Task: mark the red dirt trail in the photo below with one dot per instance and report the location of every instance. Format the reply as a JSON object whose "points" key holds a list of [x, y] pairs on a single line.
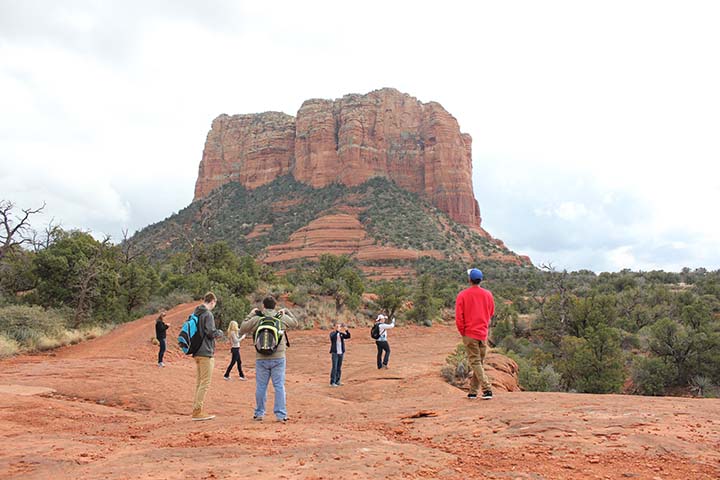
{"points": [[103, 409]]}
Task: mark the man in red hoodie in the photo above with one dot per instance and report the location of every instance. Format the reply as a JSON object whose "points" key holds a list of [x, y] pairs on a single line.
{"points": [[474, 307]]}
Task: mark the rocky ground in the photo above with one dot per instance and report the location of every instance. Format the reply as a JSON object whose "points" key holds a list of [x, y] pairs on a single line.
{"points": [[103, 409]]}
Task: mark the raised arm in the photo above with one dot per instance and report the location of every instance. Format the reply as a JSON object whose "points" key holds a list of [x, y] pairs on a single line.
{"points": [[250, 323], [288, 319]]}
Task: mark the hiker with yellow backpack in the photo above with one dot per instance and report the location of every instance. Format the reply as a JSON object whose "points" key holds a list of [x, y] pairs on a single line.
{"points": [[268, 328]]}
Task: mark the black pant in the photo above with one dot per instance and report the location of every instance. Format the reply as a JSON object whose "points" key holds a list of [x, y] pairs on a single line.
{"points": [[382, 346], [162, 349], [235, 351]]}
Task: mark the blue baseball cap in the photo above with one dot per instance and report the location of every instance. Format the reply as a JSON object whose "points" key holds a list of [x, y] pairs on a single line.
{"points": [[475, 274]]}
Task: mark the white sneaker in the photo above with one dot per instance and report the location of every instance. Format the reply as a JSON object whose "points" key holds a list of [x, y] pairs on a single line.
{"points": [[161, 365], [226, 378]]}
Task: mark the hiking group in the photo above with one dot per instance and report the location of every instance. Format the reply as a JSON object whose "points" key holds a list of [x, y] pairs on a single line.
{"points": [[474, 308]]}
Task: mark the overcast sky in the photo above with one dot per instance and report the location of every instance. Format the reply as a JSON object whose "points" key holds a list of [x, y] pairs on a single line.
{"points": [[595, 125]]}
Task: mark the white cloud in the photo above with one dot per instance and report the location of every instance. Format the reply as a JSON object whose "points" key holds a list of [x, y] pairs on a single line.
{"points": [[594, 125]]}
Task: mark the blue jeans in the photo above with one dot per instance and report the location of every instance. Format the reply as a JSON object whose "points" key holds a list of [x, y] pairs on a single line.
{"points": [[264, 371], [336, 371]]}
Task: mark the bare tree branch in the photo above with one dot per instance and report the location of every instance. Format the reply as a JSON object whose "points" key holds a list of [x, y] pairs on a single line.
{"points": [[15, 232], [129, 249]]}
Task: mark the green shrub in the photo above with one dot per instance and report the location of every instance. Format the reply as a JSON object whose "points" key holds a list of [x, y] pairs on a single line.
{"points": [[536, 379], [457, 369], [28, 325], [593, 364], [703, 387], [630, 341], [168, 301], [651, 375], [501, 330], [300, 295], [8, 346], [229, 307]]}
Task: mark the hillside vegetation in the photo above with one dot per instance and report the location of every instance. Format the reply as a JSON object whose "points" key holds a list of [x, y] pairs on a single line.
{"points": [[390, 215], [652, 333]]}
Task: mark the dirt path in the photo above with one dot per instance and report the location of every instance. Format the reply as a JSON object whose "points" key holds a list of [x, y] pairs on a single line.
{"points": [[103, 409]]}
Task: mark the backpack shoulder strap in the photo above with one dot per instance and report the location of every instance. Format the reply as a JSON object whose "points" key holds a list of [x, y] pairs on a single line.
{"points": [[201, 327]]}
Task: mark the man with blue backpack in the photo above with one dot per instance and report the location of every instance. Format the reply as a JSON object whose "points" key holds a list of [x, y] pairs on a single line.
{"points": [[202, 348], [268, 329]]}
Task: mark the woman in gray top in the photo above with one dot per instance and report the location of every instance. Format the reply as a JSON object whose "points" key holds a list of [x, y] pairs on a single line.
{"points": [[235, 338]]}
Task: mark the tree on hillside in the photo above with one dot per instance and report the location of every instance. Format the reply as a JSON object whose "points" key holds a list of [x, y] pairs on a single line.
{"points": [[138, 280], [590, 311], [80, 272], [425, 305], [15, 229], [593, 364], [16, 272], [391, 296], [676, 344], [337, 277], [553, 298]]}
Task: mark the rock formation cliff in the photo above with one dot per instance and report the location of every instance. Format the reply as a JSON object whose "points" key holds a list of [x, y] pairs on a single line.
{"points": [[385, 133]]}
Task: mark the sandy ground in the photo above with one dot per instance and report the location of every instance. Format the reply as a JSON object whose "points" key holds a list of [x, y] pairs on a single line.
{"points": [[103, 409]]}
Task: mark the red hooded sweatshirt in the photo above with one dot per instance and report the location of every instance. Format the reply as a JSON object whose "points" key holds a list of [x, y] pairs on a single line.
{"points": [[474, 308]]}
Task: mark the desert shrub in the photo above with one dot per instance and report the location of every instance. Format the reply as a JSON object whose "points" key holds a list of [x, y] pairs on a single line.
{"points": [[27, 325], [8, 346], [32, 328], [425, 305], [651, 375], [229, 307], [305, 321], [457, 369], [501, 330], [593, 364], [536, 378], [166, 302], [300, 295], [323, 314], [521, 346], [629, 341], [703, 386]]}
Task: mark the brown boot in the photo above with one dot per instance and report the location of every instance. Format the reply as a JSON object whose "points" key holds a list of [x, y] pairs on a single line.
{"points": [[198, 415]]}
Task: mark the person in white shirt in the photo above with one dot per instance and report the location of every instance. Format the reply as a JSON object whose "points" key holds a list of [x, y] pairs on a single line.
{"points": [[235, 339], [382, 341], [337, 349]]}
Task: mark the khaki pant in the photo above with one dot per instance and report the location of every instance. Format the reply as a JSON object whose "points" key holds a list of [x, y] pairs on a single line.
{"points": [[204, 376], [476, 351]]}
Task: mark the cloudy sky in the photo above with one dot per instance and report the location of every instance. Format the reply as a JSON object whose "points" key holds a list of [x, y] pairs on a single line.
{"points": [[595, 125]]}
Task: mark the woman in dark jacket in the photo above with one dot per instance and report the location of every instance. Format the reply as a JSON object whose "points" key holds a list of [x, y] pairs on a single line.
{"points": [[161, 335]]}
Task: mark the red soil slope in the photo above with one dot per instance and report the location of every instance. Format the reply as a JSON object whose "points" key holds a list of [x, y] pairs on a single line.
{"points": [[103, 409]]}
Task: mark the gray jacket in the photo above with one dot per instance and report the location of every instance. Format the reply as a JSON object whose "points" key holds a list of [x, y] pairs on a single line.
{"points": [[210, 333], [250, 324]]}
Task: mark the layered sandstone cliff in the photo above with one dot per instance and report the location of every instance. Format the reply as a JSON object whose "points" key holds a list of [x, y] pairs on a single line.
{"points": [[350, 140]]}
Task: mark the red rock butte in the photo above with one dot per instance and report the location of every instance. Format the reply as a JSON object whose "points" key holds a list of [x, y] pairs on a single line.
{"points": [[384, 133]]}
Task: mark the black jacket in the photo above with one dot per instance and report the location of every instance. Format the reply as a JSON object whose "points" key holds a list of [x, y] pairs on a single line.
{"points": [[333, 340], [161, 329]]}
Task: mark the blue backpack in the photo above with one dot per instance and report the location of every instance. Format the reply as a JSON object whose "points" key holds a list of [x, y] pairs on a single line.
{"points": [[190, 337]]}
